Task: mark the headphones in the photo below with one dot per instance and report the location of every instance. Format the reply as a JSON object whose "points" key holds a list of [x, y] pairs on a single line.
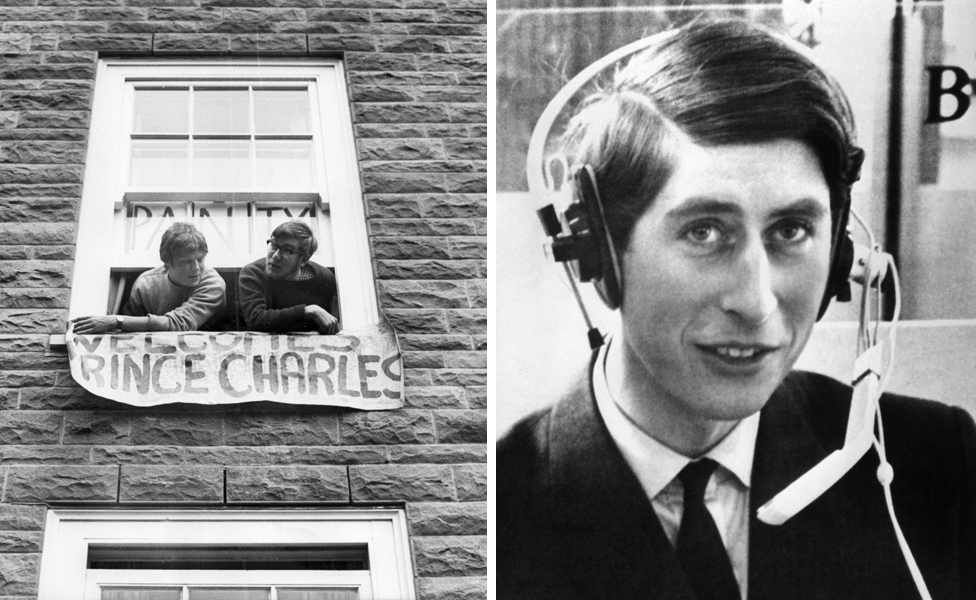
{"points": [[578, 235]]}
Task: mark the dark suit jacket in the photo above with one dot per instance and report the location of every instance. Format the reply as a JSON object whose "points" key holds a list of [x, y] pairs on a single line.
{"points": [[573, 521]]}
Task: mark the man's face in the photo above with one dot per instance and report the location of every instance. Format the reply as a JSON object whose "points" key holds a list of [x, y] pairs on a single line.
{"points": [[187, 269], [285, 258], [723, 278]]}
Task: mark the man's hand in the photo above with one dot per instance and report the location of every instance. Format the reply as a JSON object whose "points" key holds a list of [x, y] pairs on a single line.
{"points": [[323, 319], [85, 325]]}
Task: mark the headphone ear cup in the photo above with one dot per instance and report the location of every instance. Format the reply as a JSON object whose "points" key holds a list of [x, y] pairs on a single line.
{"points": [[841, 263], [608, 282]]}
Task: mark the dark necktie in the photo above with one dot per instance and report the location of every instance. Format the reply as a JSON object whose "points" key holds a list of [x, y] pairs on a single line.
{"points": [[700, 548]]}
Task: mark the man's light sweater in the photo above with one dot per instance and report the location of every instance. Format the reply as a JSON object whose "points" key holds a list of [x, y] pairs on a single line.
{"points": [[172, 307]]}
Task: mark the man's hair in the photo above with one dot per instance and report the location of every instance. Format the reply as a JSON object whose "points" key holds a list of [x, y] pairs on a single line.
{"points": [[179, 240], [300, 231], [718, 82]]}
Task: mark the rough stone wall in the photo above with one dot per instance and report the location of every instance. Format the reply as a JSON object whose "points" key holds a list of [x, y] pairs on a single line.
{"points": [[417, 80]]}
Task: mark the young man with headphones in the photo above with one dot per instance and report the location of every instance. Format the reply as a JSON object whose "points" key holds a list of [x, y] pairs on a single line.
{"points": [[711, 187]]}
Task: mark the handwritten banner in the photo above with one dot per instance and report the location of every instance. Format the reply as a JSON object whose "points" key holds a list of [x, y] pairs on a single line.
{"points": [[360, 369]]}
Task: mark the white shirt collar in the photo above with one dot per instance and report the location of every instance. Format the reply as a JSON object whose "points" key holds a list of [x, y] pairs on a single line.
{"points": [[655, 464]]}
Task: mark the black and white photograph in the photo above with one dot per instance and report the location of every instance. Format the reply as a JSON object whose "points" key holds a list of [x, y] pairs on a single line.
{"points": [[734, 300]]}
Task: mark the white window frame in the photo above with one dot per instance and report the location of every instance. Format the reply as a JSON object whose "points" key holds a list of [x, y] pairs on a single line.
{"points": [[337, 183], [69, 532]]}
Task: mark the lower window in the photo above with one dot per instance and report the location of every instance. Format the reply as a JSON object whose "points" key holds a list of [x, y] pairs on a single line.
{"points": [[225, 555]]}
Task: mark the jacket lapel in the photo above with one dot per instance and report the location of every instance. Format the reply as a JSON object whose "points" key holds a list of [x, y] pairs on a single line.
{"points": [[603, 510], [794, 560]]}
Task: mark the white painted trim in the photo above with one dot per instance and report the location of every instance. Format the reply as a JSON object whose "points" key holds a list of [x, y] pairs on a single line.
{"points": [[69, 532]]}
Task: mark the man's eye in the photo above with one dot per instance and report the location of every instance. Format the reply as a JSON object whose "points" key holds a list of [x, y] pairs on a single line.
{"points": [[791, 232], [704, 233]]}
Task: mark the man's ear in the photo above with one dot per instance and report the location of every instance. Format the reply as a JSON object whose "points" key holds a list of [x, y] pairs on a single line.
{"points": [[305, 258]]}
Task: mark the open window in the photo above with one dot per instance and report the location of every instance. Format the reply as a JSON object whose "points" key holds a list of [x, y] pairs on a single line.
{"points": [[223, 555], [234, 147]]}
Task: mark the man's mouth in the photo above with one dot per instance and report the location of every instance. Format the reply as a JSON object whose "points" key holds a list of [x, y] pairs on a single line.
{"points": [[738, 353]]}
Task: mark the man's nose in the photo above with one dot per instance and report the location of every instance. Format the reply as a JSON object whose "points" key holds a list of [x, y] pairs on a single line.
{"points": [[750, 293]]}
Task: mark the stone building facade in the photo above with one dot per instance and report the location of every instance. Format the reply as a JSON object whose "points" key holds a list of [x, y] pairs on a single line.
{"points": [[416, 79]]}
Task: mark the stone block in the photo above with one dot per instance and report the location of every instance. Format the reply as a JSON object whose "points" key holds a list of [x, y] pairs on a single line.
{"points": [[18, 574], [30, 427], [62, 398], [337, 43], [404, 183], [31, 100], [466, 148], [287, 484], [397, 483], [73, 483], [410, 248], [466, 360], [423, 294], [448, 518], [288, 455], [90, 428], [413, 45], [435, 342], [22, 517], [177, 429], [468, 46], [105, 42], [33, 298], [387, 427], [400, 149], [471, 481], [391, 130], [467, 320], [42, 152], [423, 360], [420, 320], [394, 206], [42, 234], [457, 14], [137, 455], [435, 397], [400, 112], [12, 542], [195, 42], [450, 556], [290, 44], [426, 269], [155, 483], [45, 455], [439, 454], [23, 343], [465, 183], [452, 588], [395, 79], [26, 361], [421, 227], [35, 273], [338, 15], [448, 29], [46, 72], [454, 206], [16, 379], [14, 43], [441, 62], [358, 62], [461, 377], [111, 14], [404, 16], [461, 426], [283, 428]]}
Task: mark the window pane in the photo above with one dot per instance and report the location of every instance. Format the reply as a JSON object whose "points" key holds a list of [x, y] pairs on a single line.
{"points": [[284, 164], [317, 594], [141, 593], [145, 224], [161, 111], [226, 593], [267, 216], [281, 111], [220, 111], [221, 163], [225, 227], [159, 163]]}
